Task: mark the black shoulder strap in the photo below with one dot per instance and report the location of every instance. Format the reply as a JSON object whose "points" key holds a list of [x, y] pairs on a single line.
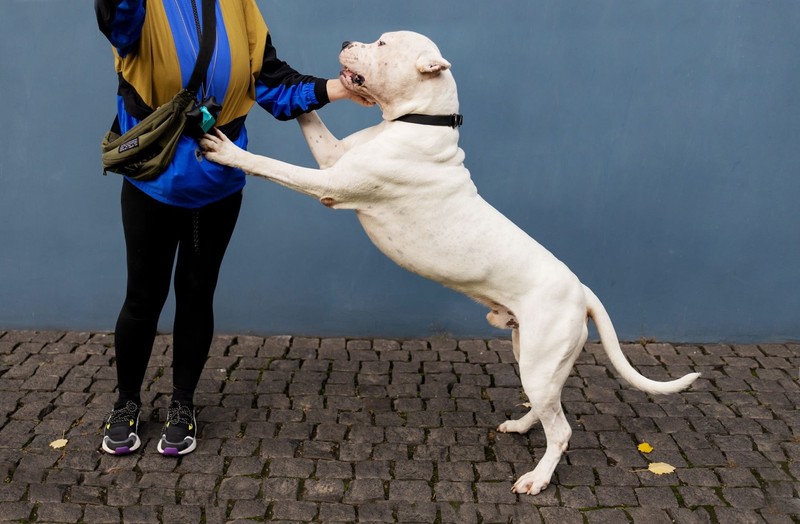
{"points": [[207, 42]]}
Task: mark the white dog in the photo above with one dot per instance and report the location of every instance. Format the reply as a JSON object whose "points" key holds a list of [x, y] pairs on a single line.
{"points": [[407, 183]]}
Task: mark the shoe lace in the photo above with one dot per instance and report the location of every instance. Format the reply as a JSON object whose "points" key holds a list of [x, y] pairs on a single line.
{"points": [[123, 414], [179, 413]]}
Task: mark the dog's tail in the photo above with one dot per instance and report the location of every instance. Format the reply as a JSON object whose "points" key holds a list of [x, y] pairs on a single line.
{"points": [[608, 337]]}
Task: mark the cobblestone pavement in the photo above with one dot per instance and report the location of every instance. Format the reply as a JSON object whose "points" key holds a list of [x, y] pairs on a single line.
{"points": [[337, 430]]}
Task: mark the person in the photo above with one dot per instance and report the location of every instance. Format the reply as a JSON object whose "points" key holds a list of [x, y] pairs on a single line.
{"points": [[191, 209]]}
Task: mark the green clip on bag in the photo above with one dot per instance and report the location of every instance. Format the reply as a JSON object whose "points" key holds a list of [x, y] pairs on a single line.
{"points": [[145, 151]]}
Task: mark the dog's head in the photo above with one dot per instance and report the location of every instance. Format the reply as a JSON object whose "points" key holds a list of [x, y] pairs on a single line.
{"points": [[403, 72]]}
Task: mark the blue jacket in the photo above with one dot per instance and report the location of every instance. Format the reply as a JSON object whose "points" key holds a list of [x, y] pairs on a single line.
{"points": [[155, 44]]}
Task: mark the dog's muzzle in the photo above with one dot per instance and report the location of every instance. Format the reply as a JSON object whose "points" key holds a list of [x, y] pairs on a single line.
{"points": [[355, 78]]}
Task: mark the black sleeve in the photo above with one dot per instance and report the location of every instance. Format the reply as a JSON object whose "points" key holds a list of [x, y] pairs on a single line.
{"points": [[283, 91], [105, 10]]}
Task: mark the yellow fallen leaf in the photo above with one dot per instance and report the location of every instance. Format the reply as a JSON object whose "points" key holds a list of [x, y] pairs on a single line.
{"points": [[60, 443], [644, 447], [660, 468]]}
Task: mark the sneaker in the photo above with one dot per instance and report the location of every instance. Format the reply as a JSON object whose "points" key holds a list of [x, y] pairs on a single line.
{"points": [[120, 432], [178, 435]]}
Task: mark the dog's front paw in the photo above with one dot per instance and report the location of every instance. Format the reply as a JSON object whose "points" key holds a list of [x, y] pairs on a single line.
{"points": [[219, 149], [529, 484]]}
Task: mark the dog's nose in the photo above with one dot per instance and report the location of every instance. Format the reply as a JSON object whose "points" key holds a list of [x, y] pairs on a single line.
{"points": [[346, 44]]}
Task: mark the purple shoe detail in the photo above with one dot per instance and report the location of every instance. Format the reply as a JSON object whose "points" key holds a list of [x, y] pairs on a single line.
{"points": [[172, 452], [123, 450]]}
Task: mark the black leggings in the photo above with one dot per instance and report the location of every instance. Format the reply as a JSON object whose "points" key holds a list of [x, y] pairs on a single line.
{"points": [[153, 233]]}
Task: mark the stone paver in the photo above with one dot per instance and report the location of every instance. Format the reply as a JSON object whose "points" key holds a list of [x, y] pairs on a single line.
{"points": [[305, 429]]}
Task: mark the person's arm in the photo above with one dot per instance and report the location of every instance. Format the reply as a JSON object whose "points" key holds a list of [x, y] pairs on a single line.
{"points": [[284, 92], [121, 22], [287, 94]]}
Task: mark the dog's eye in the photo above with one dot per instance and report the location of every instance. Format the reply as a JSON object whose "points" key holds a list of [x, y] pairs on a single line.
{"points": [[381, 42]]}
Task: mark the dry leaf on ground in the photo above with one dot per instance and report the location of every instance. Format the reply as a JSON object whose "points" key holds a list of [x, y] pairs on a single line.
{"points": [[60, 443], [660, 468]]}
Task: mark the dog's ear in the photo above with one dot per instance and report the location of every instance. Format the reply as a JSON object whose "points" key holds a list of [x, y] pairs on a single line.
{"points": [[432, 63]]}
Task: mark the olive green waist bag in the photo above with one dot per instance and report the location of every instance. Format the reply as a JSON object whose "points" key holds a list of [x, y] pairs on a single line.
{"points": [[146, 150]]}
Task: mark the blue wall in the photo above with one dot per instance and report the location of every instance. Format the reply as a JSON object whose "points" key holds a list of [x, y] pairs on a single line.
{"points": [[651, 145]]}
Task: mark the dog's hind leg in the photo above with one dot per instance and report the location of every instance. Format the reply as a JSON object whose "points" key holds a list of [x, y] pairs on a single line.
{"points": [[515, 342], [524, 424], [548, 350], [502, 318]]}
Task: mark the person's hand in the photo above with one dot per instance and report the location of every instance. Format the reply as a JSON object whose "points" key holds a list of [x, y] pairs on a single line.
{"points": [[218, 148], [336, 91]]}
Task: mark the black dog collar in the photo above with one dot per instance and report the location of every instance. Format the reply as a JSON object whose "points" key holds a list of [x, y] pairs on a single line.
{"points": [[454, 120]]}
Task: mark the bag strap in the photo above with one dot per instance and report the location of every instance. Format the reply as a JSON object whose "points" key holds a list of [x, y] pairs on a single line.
{"points": [[206, 46]]}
